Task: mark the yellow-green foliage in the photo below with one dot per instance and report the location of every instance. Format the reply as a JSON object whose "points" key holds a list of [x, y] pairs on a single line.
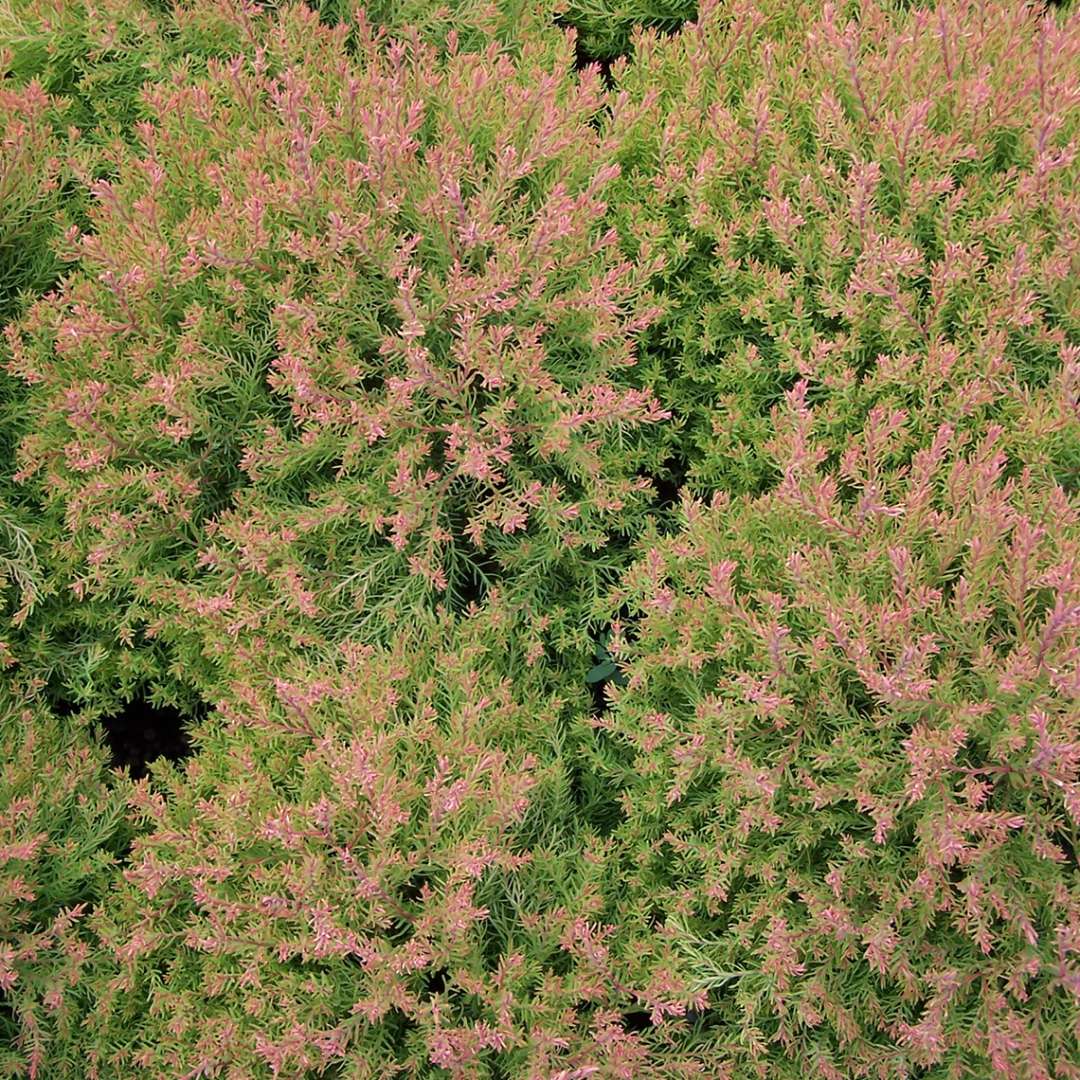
{"points": [[621, 524]]}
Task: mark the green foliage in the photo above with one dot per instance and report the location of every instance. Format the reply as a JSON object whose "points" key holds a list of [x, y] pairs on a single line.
{"points": [[368, 380], [73, 75], [94, 56], [61, 830], [623, 531], [377, 849], [606, 29], [848, 765]]}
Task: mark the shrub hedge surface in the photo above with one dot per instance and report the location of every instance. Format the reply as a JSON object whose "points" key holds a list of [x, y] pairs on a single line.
{"points": [[602, 481]]}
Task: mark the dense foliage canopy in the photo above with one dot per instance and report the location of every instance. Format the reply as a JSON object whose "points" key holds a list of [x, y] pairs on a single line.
{"points": [[601, 483]]}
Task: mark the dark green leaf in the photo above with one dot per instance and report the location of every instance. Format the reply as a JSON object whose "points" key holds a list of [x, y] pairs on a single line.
{"points": [[602, 671]]}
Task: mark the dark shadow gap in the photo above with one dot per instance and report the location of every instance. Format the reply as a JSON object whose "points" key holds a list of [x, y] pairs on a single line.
{"points": [[470, 578], [599, 698], [412, 891], [142, 732], [637, 1021], [1064, 841], [596, 805], [668, 481], [582, 58]]}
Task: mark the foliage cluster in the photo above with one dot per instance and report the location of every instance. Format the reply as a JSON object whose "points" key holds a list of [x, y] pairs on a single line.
{"points": [[63, 827], [624, 528]]}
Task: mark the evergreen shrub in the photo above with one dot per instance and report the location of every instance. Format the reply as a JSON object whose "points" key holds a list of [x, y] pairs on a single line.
{"points": [[347, 330], [623, 530], [63, 829]]}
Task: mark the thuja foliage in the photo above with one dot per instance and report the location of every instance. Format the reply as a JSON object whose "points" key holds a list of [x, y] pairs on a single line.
{"points": [[61, 830], [871, 200], [27, 205], [848, 751], [93, 56], [848, 754], [604, 27], [377, 334], [29, 197], [348, 330], [377, 865], [72, 74]]}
